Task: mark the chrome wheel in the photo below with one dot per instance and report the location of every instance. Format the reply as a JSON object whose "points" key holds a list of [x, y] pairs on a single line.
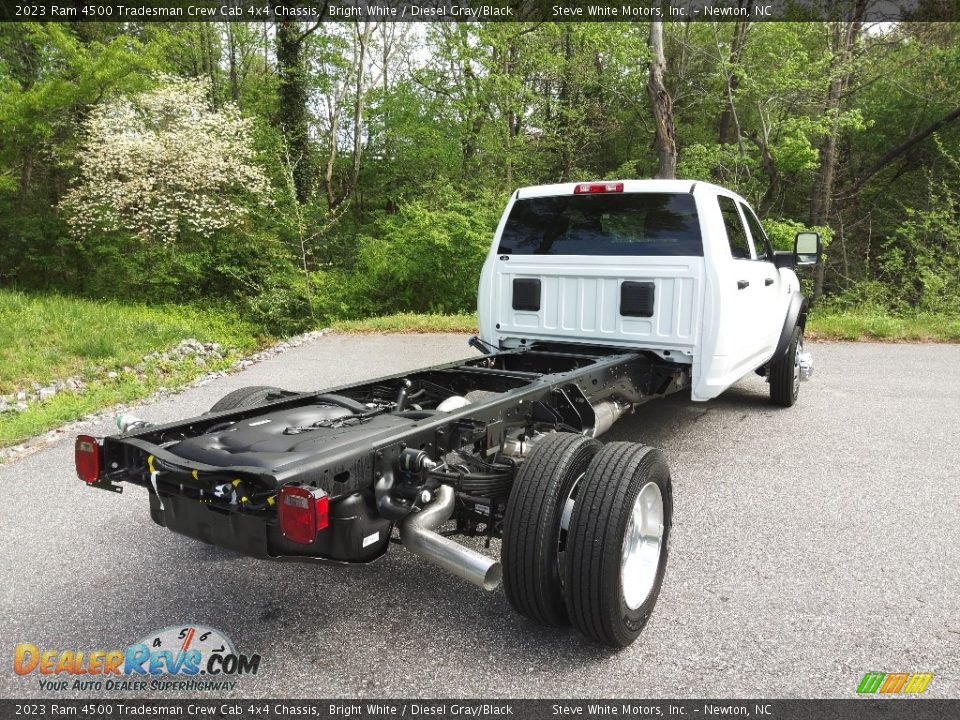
{"points": [[641, 546], [565, 514], [797, 356]]}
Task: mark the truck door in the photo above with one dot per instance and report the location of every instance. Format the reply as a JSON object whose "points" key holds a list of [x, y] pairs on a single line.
{"points": [[774, 295], [746, 314]]}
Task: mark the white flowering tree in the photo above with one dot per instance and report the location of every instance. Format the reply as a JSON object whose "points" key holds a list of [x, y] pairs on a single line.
{"points": [[164, 164]]}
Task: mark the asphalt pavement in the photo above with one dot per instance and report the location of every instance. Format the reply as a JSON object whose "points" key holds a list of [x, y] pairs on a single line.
{"points": [[810, 545]]}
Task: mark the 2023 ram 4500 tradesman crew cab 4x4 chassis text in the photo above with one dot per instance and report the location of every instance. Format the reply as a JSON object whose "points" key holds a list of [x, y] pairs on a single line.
{"points": [[594, 298]]}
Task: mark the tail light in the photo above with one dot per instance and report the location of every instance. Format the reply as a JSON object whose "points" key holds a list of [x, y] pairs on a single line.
{"points": [[86, 455], [602, 187], [304, 511]]}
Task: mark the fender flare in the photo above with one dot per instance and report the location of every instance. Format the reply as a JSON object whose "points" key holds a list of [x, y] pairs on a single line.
{"points": [[796, 315]]}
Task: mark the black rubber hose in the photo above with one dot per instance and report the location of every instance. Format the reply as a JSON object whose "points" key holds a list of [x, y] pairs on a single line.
{"points": [[401, 402]]}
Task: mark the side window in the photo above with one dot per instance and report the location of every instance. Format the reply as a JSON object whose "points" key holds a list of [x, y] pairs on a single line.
{"points": [[760, 242], [739, 247]]}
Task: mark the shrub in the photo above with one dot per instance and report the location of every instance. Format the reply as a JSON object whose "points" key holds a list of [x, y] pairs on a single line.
{"points": [[425, 259], [921, 259], [163, 164]]}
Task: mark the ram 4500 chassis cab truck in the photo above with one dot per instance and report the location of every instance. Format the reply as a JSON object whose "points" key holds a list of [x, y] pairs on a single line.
{"points": [[594, 298]]}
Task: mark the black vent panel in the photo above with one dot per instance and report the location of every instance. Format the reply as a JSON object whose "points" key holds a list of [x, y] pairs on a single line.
{"points": [[636, 299], [526, 294]]}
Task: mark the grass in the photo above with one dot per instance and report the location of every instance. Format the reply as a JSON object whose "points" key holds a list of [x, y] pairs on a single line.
{"points": [[872, 324], [45, 337], [67, 406], [50, 337], [861, 324], [53, 337], [410, 323]]}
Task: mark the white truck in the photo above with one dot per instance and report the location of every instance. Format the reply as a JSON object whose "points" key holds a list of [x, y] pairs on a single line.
{"points": [[595, 297], [680, 268]]}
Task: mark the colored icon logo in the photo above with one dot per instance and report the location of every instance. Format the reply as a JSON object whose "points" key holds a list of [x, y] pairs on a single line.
{"points": [[894, 683], [176, 650]]}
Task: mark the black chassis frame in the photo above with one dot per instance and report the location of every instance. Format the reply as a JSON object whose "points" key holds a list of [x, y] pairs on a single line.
{"points": [[542, 387]]}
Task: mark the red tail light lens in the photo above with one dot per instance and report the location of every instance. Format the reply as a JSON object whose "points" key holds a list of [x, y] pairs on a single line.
{"points": [[86, 456], [304, 511], [603, 187]]}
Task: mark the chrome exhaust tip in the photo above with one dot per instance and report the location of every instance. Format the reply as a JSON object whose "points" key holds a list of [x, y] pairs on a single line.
{"points": [[418, 536]]}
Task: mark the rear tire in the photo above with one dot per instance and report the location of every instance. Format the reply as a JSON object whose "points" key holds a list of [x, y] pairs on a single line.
{"points": [[785, 373], [245, 397], [532, 535], [618, 543]]}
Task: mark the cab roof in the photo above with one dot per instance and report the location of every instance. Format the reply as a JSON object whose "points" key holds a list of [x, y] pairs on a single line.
{"points": [[629, 186]]}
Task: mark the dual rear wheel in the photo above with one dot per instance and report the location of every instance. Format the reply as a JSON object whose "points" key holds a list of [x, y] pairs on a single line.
{"points": [[245, 397], [585, 536]]}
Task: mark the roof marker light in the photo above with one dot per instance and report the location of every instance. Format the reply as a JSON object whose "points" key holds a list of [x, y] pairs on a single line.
{"points": [[601, 187]]}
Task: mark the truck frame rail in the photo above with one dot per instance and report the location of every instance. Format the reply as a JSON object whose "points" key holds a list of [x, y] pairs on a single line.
{"points": [[380, 449]]}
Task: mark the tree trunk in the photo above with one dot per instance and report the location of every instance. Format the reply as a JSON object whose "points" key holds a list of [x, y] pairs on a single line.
{"points": [[26, 173], [386, 89], [234, 80], [564, 103], [769, 169], [363, 40], [661, 105], [729, 128], [843, 40], [293, 117], [511, 60], [333, 113], [25, 70], [210, 61], [334, 200], [899, 150], [823, 185]]}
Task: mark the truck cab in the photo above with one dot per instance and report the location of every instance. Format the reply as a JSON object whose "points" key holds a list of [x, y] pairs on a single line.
{"points": [[679, 268]]}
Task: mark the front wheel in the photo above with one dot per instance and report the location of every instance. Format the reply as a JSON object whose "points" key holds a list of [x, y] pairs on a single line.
{"points": [[785, 372], [617, 544]]}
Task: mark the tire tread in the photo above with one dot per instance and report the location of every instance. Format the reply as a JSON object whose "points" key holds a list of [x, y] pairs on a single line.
{"points": [[781, 374], [244, 397], [593, 553], [530, 515]]}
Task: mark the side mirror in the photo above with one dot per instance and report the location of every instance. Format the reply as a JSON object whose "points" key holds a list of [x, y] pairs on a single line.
{"points": [[807, 248]]}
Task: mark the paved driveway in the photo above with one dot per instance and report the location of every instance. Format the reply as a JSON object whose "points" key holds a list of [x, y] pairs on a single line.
{"points": [[810, 545]]}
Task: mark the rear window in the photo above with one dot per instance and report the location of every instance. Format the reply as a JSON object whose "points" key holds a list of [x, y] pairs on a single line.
{"points": [[603, 224]]}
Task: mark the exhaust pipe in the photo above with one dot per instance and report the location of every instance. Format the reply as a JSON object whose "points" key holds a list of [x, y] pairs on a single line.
{"points": [[418, 536], [606, 414]]}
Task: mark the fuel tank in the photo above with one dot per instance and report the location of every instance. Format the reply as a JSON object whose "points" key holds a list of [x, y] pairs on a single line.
{"points": [[275, 439]]}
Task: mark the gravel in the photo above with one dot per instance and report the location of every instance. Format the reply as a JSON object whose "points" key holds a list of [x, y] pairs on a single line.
{"points": [[202, 354]]}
